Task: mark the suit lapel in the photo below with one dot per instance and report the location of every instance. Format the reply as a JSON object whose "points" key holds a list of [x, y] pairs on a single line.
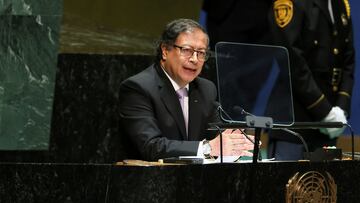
{"points": [[171, 101]]}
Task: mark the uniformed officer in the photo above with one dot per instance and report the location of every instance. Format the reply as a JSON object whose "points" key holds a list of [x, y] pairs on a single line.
{"points": [[318, 35]]}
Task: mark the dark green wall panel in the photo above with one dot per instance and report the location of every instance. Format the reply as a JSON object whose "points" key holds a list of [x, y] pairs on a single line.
{"points": [[29, 41]]}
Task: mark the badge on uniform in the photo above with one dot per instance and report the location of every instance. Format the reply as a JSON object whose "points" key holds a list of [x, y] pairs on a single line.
{"points": [[283, 10]]}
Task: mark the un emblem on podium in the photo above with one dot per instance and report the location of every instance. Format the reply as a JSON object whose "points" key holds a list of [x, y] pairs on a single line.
{"points": [[312, 186]]}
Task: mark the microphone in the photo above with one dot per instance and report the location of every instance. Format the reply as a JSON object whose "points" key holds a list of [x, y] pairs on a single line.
{"points": [[220, 109], [240, 110]]}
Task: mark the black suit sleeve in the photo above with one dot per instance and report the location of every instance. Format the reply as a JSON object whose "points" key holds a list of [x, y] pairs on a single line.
{"points": [[347, 80]]}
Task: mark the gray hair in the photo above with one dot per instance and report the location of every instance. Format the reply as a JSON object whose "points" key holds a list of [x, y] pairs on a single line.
{"points": [[172, 31]]}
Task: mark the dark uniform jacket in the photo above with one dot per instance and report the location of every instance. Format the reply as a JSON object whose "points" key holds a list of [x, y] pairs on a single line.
{"points": [[237, 21], [321, 57], [152, 118]]}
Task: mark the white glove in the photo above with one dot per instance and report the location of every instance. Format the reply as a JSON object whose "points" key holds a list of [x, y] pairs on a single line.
{"points": [[335, 115]]}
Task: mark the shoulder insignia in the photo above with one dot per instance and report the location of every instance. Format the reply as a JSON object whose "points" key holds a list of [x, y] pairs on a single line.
{"points": [[347, 7], [283, 10]]}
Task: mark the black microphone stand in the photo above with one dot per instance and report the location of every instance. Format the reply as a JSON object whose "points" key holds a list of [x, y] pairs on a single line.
{"points": [[258, 123], [252, 121]]}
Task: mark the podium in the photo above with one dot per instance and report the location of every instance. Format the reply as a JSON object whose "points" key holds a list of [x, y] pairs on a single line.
{"points": [[45, 182]]}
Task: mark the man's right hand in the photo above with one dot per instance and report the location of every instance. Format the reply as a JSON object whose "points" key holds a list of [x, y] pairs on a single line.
{"points": [[235, 143]]}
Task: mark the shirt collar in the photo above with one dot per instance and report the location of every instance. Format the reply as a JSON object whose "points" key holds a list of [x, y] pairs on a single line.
{"points": [[174, 84]]}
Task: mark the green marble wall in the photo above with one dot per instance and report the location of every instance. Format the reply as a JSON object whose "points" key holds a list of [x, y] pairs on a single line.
{"points": [[29, 33]]}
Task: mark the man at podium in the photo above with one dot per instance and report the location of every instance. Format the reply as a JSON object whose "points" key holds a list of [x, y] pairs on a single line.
{"points": [[165, 109]]}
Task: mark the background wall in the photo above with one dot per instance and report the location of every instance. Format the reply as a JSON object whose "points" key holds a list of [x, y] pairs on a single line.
{"points": [[29, 37], [119, 26]]}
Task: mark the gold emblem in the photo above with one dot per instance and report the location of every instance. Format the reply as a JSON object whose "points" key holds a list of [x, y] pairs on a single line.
{"points": [[311, 187], [344, 19], [283, 10], [347, 7]]}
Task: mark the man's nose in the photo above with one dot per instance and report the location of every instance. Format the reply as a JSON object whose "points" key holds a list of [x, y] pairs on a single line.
{"points": [[194, 57]]}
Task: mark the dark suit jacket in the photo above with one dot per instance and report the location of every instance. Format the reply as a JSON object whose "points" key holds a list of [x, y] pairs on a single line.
{"points": [[317, 46], [151, 114]]}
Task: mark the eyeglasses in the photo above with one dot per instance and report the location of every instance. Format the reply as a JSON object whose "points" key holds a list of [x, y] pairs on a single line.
{"points": [[189, 52]]}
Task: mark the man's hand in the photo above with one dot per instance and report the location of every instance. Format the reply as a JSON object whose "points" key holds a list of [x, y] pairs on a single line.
{"points": [[235, 143], [335, 115]]}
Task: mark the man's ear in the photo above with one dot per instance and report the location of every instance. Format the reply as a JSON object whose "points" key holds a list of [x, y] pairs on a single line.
{"points": [[164, 51]]}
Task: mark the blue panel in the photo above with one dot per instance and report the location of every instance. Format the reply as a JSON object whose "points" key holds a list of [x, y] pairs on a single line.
{"points": [[355, 106]]}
